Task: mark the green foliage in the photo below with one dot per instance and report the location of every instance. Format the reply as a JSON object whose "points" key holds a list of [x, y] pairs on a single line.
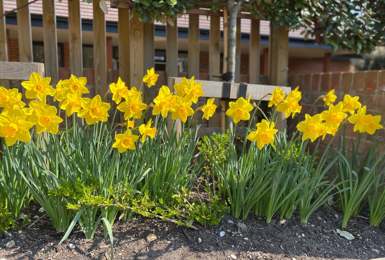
{"points": [[7, 220], [358, 173]]}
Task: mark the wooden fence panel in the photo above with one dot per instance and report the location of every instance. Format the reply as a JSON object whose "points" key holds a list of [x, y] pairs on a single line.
{"points": [[124, 43], [359, 82], [50, 40], [214, 47], [3, 35], [19, 70], [75, 37], [149, 49], [100, 48], [24, 31], [278, 54], [254, 52], [193, 46], [136, 51], [347, 81], [172, 50], [238, 52]]}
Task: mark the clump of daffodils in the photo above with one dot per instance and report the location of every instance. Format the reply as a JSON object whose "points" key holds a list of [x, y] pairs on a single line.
{"points": [[20, 115]]}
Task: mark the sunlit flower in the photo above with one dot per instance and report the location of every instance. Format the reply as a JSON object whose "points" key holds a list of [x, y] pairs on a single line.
{"points": [[130, 124], [94, 110], [365, 123], [189, 89], [312, 127], [15, 126], [45, 117], [181, 109], [146, 130], [71, 104], [290, 105], [351, 104], [333, 117], [151, 78], [277, 97], [10, 99], [163, 103], [330, 97], [264, 134], [239, 110], [125, 141], [119, 91], [133, 106], [209, 109], [38, 87]]}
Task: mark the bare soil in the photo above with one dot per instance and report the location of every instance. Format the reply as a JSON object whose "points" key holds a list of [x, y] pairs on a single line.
{"points": [[254, 239]]}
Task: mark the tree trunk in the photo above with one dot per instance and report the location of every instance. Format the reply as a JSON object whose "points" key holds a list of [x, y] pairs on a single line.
{"points": [[233, 8]]}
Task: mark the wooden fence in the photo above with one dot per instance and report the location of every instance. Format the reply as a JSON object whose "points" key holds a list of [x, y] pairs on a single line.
{"points": [[136, 44]]}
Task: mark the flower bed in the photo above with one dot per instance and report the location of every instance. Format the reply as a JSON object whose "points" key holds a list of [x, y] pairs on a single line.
{"points": [[92, 162]]}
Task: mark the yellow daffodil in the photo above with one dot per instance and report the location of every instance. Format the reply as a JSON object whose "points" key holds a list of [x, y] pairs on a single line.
{"points": [[125, 141], [239, 110], [119, 91], [94, 110], [181, 109], [333, 117], [277, 97], [264, 134], [71, 104], [74, 86], [312, 127], [38, 87], [45, 117], [15, 126], [209, 109], [189, 89], [11, 99], [351, 104], [330, 97], [130, 124], [290, 105], [146, 130], [133, 106], [151, 78], [163, 103], [365, 123]]}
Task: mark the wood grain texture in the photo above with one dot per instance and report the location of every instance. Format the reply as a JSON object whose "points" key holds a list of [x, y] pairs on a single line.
{"points": [[214, 89], [100, 49], [278, 54], [193, 46], [3, 35], [19, 70], [75, 37], [24, 31], [50, 40], [215, 48], [254, 52], [172, 50], [136, 51], [149, 50], [124, 44]]}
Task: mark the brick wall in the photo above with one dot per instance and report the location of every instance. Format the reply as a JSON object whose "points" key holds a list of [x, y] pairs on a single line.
{"points": [[368, 85]]}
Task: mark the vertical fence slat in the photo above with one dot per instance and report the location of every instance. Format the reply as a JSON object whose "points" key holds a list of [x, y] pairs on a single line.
{"points": [[3, 35], [75, 37], [279, 54], [50, 40], [225, 38], [124, 43], [137, 53], [172, 50], [193, 46], [238, 52], [254, 52], [149, 45], [24, 31], [100, 48], [215, 47]]}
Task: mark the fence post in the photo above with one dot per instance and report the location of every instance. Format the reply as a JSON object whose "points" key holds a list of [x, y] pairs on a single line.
{"points": [[172, 50], [136, 51], [24, 31], [3, 35], [100, 48], [193, 46], [254, 52], [124, 43], [75, 37], [50, 40]]}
